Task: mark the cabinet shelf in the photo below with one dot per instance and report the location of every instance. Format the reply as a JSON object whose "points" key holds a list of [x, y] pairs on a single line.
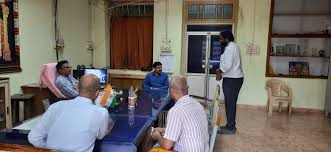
{"points": [[302, 14], [300, 56], [298, 32], [301, 35], [298, 76]]}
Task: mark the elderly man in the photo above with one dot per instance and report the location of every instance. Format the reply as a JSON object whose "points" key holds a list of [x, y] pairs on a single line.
{"points": [[65, 82], [73, 125], [187, 125]]}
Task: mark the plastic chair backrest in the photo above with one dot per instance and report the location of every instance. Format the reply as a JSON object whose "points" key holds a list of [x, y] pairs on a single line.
{"points": [[216, 119], [47, 76]]}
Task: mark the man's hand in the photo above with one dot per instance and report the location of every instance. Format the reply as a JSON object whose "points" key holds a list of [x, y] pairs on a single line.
{"points": [[156, 135], [218, 74], [161, 130]]}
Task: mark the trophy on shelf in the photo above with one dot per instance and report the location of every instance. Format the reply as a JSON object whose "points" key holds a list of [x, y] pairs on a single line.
{"points": [[314, 52], [298, 50], [272, 52], [321, 53]]}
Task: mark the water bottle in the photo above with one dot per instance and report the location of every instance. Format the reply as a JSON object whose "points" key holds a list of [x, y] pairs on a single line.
{"points": [[131, 102], [131, 117], [131, 92]]}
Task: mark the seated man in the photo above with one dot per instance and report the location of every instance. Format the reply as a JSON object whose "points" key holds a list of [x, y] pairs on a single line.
{"points": [[73, 125], [65, 82], [187, 125], [156, 80]]}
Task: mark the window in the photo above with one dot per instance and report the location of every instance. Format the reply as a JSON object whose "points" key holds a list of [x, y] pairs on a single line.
{"points": [[206, 11], [133, 10], [210, 11]]}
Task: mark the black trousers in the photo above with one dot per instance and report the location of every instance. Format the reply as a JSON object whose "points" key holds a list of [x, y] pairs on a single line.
{"points": [[231, 88]]}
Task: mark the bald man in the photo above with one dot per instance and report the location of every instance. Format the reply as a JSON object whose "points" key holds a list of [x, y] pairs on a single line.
{"points": [[73, 125], [187, 125]]}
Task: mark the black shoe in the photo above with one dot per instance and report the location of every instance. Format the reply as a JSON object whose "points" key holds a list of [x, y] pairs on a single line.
{"points": [[227, 131], [222, 127]]}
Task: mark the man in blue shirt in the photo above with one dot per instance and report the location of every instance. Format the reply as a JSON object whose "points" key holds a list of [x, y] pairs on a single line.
{"points": [[65, 82], [156, 80]]}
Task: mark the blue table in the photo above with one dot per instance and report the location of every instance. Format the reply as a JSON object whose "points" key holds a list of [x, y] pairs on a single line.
{"points": [[149, 103], [129, 124], [128, 128]]}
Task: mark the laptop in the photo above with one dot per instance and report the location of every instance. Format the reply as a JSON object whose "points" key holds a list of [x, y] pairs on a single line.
{"points": [[100, 73]]}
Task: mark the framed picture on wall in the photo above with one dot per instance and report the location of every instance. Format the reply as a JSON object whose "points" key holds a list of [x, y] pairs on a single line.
{"points": [[299, 68], [9, 48]]}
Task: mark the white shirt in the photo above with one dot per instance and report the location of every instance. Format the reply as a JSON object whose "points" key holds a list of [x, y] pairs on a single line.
{"points": [[230, 63], [187, 126], [70, 125]]}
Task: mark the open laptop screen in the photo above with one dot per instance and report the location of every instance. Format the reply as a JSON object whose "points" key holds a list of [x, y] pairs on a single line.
{"points": [[100, 73]]}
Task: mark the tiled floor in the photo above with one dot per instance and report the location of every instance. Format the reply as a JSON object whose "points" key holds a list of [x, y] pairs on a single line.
{"points": [[279, 133]]}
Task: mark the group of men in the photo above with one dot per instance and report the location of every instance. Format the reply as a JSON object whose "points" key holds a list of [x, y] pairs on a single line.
{"points": [[74, 125]]}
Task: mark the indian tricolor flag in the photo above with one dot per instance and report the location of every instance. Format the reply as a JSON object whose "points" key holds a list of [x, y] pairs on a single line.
{"points": [[107, 98]]}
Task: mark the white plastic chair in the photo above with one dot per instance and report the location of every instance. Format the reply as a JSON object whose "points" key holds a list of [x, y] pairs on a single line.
{"points": [[275, 88]]}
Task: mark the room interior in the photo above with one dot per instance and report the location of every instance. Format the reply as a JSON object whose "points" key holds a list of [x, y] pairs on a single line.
{"points": [[80, 32]]}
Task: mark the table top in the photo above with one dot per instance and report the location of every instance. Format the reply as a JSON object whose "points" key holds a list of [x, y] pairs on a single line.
{"points": [[14, 147], [149, 103], [21, 96], [128, 128]]}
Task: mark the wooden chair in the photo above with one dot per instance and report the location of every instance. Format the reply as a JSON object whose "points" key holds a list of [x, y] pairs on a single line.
{"points": [[276, 89]]}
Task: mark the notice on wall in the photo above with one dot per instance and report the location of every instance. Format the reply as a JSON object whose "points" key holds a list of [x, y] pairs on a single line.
{"points": [[168, 62]]}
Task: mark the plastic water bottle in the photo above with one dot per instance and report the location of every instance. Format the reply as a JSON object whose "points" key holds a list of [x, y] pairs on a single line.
{"points": [[131, 92], [131, 100]]}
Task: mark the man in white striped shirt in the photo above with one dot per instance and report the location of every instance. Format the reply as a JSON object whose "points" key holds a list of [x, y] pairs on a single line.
{"points": [[187, 125]]}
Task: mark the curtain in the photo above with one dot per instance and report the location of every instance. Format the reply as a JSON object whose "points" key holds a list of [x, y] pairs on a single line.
{"points": [[131, 42]]}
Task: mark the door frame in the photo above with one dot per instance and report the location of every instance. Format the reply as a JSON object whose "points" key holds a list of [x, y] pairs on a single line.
{"points": [[206, 74]]}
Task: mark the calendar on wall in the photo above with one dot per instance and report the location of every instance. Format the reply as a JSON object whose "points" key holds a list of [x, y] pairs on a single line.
{"points": [[168, 62]]}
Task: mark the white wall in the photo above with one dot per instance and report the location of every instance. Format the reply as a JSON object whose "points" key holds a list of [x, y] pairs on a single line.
{"points": [[175, 22], [100, 28], [36, 37], [73, 25]]}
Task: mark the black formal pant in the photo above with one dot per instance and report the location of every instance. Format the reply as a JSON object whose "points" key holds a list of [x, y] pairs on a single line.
{"points": [[231, 88]]}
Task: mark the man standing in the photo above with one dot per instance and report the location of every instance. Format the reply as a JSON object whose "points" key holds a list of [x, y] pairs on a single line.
{"points": [[156, 80], [65, 82], [233, 77], [73, 125], [187, 124]]}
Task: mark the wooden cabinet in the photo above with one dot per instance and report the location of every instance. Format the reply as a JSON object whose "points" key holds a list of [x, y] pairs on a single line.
{"points": [[5, 104], [125, 81], [299, 39], [328, 95], [40, 93]]}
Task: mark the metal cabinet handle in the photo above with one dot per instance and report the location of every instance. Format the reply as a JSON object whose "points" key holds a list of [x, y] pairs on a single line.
{"points": [[210, 66], [203, 66]]}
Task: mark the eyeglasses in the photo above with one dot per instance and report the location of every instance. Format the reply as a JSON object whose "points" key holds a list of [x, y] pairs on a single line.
{"points": [[67, 67]]}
